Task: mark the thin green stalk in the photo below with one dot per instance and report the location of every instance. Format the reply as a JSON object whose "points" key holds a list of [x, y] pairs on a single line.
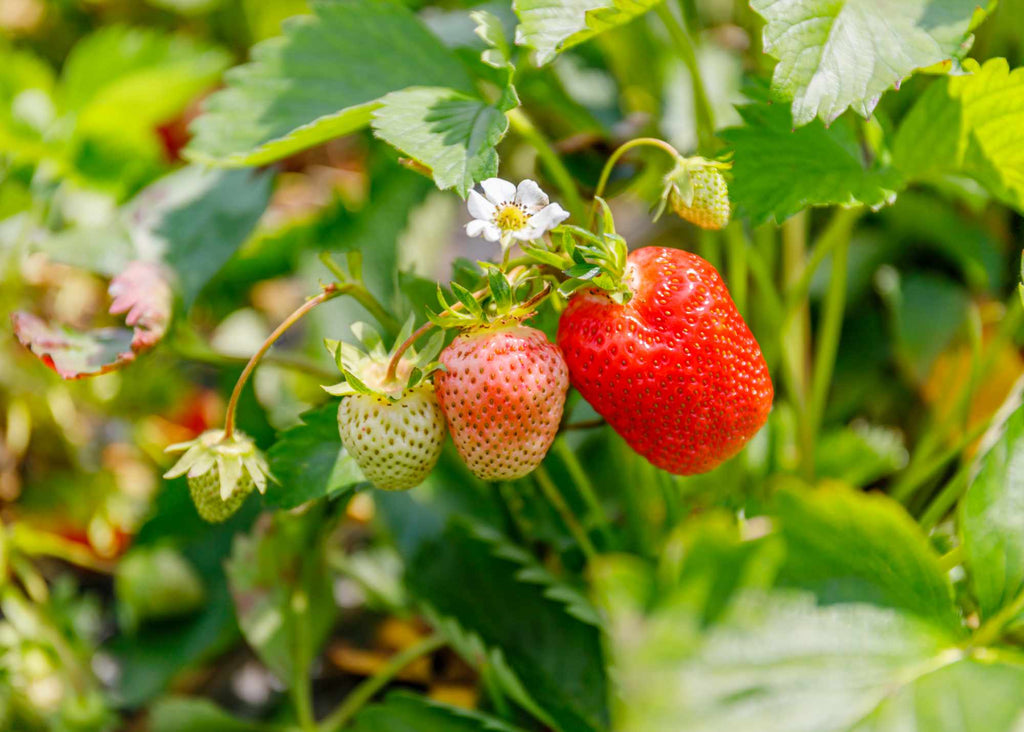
{"points": [[736, 250], [992, 629], [829, 330], [609, 164], [363, 693], [551, 492], [947, 497], [796, 337], [561, 176], [358, 291], [687, 52], [329, 292], [301, 690], [912, 479], [586, 488], [953, 558], [837, 232]]}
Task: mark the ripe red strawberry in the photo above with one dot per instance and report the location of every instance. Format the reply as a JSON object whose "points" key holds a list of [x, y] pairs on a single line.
{"points": [[675, 370], [502, 393]]}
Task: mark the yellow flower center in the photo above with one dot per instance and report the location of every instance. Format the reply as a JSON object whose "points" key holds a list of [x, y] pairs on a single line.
{"points": [[511, 217]]}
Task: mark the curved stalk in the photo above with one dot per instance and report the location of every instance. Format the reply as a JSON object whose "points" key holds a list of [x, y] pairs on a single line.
{"points": [[621, 150], [329, 292]]}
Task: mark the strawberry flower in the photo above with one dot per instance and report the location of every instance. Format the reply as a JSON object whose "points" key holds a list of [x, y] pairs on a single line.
{"points": [[505, 212]]}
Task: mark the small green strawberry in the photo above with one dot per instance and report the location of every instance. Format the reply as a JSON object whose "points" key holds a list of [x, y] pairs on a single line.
{"points": [[696, 191], [221, 471], [390, 424]]}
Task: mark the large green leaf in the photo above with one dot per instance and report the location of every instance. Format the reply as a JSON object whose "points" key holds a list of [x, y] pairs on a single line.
{"points": [[992, 519], [775, 663], [545, 635], [404, 712], [309, 462], [969, 125], [779, 170], [963, 697], [835, 54], [551, 26], [451, 133], [849, 546], [282, 589], [322, 79]]}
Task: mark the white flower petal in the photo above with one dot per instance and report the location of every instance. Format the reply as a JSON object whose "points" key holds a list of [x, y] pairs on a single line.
{"points": [[480, 207], [530, 195], [492, 232], [498, 190], [527, 233], [476, 227], [548, 218]]}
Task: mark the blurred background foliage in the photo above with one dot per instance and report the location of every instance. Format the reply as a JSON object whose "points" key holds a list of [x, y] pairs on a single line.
{"points": [[117, 600]]}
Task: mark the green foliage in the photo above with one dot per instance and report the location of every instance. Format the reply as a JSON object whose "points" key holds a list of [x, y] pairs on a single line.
{"points": [[779, 171], [493, 590], [991, 516], [282, 591], [174, 714], [449, 132], [972, 126], [323, 78], [552, 26], [401, 712], [849, 547], [309, 461], [836, 55]]}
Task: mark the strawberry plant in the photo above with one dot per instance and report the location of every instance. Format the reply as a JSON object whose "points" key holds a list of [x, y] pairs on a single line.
{"points": [[532, 366]]}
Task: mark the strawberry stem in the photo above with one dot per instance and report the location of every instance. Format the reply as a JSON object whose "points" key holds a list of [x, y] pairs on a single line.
{"points": [[329, 292], [557, 501], [614, 158]]}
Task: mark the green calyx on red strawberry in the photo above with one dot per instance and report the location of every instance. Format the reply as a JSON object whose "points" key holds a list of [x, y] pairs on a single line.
{"points": [[389, 421]]}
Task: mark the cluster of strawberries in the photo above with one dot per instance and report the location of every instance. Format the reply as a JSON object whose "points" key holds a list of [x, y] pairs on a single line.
{"points": [[651, 339], [674, 370]]}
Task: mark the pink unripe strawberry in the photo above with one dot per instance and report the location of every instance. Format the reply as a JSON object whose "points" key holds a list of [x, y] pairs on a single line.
{"points": [[502, 393]]}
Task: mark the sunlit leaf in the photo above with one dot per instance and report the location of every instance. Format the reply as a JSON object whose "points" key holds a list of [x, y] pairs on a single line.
{"points": [[403, 712], [779, 170], [322, 79], [969, 125], [839, 54], [450, 133], [551, 26], [992, 518]]}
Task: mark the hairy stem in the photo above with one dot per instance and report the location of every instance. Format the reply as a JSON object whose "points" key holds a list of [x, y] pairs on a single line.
{"points": [[621, 150], [329, 292]]}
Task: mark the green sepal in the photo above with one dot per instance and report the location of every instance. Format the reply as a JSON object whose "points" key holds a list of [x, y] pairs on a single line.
{"points": [[501, 288], [468, 301], [545, 256]]}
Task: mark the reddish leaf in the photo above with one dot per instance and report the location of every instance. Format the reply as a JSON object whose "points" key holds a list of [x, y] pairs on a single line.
{"points": [[141, 291]]}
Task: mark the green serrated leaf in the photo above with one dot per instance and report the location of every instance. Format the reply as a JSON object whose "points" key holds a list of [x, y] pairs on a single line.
{"points": [[489, 29], [991, 515], [836, 55], [848, 546], [473, 576], [969, 125], [552, 26], [322, 79], [778, 171], [451, 133], [402, 712], [309, 461]]}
